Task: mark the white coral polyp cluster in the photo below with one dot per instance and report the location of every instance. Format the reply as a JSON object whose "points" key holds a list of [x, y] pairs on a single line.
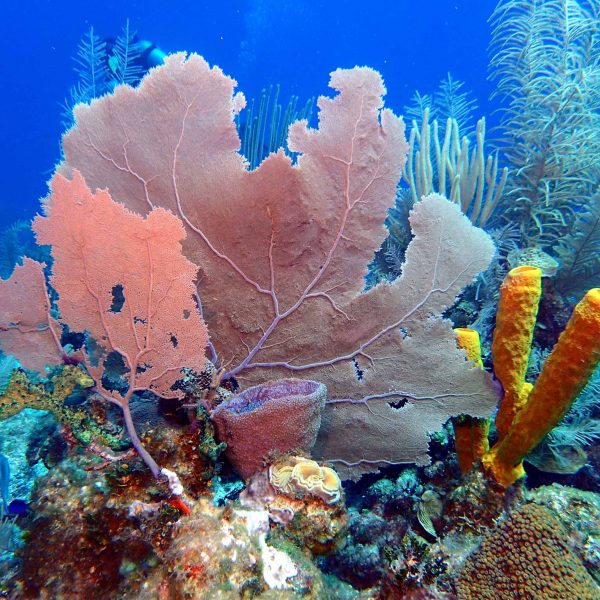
{"points": [[278, 567]]}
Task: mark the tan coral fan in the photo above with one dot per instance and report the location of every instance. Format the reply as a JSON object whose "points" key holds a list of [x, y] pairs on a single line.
{"points": [[283, 249]]}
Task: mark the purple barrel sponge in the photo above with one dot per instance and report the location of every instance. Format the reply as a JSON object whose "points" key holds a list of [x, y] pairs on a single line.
{"points": [[268, 420]]}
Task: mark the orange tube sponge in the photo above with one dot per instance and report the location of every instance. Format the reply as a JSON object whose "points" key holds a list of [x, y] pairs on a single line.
{"points": [[567, 369], [470, 433], [517, 311], [471, 441]]}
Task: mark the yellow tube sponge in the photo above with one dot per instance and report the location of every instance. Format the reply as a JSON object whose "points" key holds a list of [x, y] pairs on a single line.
{"points": [[566, 371], [515, 321], [468, 340], [470, 433]]}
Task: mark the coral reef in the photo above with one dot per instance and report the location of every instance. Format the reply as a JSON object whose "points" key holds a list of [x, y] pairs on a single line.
{"points": [[217, 554], [85, 511], [80, 519], [117, 532], [305, 449]]}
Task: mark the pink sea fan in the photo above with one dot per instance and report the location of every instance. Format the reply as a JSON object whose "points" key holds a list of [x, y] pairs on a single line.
{"points": [[27, 329]]}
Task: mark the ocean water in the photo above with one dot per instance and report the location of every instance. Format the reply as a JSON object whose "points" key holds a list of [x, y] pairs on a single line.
{"points": [[358, 360], [293, 44]]}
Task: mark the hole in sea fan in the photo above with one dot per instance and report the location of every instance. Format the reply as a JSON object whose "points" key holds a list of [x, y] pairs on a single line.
{"points": [[398, 404], [357, 370], [118, 299]]}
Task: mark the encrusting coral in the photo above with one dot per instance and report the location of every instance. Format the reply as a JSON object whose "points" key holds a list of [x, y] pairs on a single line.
{"points": [[21, 393]]}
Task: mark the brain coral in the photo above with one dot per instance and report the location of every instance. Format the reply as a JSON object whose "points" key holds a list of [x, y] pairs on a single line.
{"points": [[526, 556]]}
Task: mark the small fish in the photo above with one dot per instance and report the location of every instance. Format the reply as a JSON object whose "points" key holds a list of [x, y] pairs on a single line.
{"points": [[18, 508], [429, 508]]}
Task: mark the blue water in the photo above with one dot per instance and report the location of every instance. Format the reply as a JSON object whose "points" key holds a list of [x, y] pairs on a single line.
{"points": [[258, 42]]}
